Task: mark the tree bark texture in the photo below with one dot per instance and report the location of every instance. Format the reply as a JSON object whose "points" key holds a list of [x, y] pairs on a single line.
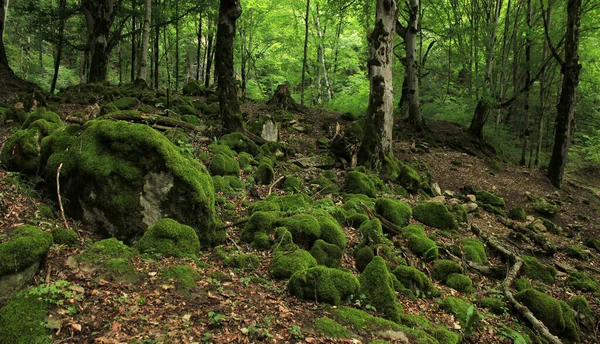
{"points": [[412, 65], [209, 59], [379, 121], [231, 113], [143, 66], [99, 17], [3, 11], [526, 130], [304, 61], [133, 40], [566, 105], [59, 47]]}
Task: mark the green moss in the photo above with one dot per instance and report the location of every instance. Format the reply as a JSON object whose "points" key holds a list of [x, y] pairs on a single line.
{"points": [[460, 282], [363, 255], [169, 238], [261, 241], [460, 309], [260, 221], [285, 264], [474, 251], [518, 214], [185, 276], [362, 183], [323, 284], [177, 136], [372, 233], [119, 268], [331, 232], [242, 261], [292, 203], [222, 165], [221, 149], [363, 321], [583, 281], [283, 238], [22, 320], [582, 308], [556, 315], [356, 220], [377, 284], [264, 173], [63, 236], [330, 328], [593, 243], [416, 281], [578, 252], [394, 211], [538, 271], [245, 159], [522, 284], [408, 177], [27, 245], [419, 243], [105, 250], [443, 268], [44, 114], [194, 88], [305, 229], [544, 207], [494, 305], [434, 215], [240, 143], [292, 184], [191, 119], [267, 205], [327, 254], [491, 202], [127, 103]]}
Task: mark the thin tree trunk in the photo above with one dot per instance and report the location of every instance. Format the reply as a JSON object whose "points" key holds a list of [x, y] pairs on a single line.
{"points": [[199, 47], [412, 66], [543, 94], [322, 55], [177, 46], [209, 59], [143, 70], [3, 12], [156, 43], [133, 37], [59, 48], [526, 130], [305, 60]]}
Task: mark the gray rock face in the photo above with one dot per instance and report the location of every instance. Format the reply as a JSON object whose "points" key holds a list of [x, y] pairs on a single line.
{"points": [[10, 284], [270, 131]]}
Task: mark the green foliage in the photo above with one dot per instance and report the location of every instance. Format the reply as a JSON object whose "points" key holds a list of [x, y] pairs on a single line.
{"points": [[419, 243], [27, 245], [329, 255], [285, 264], [323, 284], [377, 283], [169, 238], [474, 251], [460, 282], [330, 328], [222, 165], [434, 215], [538, 271]]}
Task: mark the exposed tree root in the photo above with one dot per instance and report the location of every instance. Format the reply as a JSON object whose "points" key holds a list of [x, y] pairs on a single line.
{"points": [[538, 239], [513, 273], [387, 225]]}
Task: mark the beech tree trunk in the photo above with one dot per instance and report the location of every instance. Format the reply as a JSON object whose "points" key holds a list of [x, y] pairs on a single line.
{"points": [[322, 55], [526, 131], [565, 115], [143, 66], [231, 113], [133, 39], [209, 55], [59, 48], [304, 61], [412, 66], [3, 11], [379, 121], [99, 17], [199, 47]]}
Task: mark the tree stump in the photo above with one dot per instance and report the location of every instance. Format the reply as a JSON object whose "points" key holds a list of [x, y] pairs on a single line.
{"points": [[282, 98]]}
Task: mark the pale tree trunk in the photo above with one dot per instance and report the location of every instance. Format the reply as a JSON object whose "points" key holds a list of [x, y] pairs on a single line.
{"points": [[3, 11], [412, 66], [322, 55], [543, 95], [231, 113], [209, 59], [305, 60], [199, 47], [177, 46], [526, 130], [59, 48], [377, 142], [133, 39], [143, 66], [565, 115], [99, 17]]}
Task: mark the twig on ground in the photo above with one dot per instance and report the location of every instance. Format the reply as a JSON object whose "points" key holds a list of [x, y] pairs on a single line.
{"points": [[275, 183], [62, 210]]}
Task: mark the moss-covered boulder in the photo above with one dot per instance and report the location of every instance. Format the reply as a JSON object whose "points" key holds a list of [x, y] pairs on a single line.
{"points": [[583, 281], [239, 142], [223, 165], [323, 284], [538, 271], [593, 243], [363, 255], [331, 232], [185, 277], [578, 252], [460, 282], [419, 243], [543, 207], [326, 254], [434, 215], [416, 281], [63, 236], [406, 176], [396, 212], [583, 311], [121, 178], [474, 250], [22, 320], [362, 183], [264, 172], [491, 202], [170, 239], [444, 268], [284, 264], [259, 222], [245, 261], [194, 88], [518, 214], [461, 310], [305, 229], [330, 328], [127, 103], [493, 304], [377, 283], [556, 315]]}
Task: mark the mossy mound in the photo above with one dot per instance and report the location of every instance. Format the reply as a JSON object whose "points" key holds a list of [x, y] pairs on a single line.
{"points": [[396, 212], [543, 207], [460, 282], [325, 284], [63, 236], [578, 252], [264, 172], [330, 328], [285, 264], [22, 320], [305, 229], [170, 239], [362, 183], [460, 309], [416, 281], [228, 185], [434, 215], [494, 305], [223, 165], [292, 184], [583, 281], [194, 88], [444, 268], [363, 255], [522, 284], [27, 245], [240, 143], [419, 243], [185, 277], [491, 202], [105, 250], [518, 214], [377, 283], [556, 315], [538, 271], [331, 232], [326, 254], [127, 103], [408, 177], [474, 251], [190, 118], [117, 190], [259, 222], [593, 243], [221, 149], [245, 261], [583, 310]]}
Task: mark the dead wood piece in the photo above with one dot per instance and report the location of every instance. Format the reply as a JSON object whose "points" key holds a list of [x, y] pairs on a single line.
{"points": [[537, 238], [482, 269], [282, 98], [62, 210], [235, 224], [387, 225], [275, 183]]}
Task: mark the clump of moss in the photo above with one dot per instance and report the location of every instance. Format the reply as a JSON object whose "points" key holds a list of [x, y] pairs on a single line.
{"points": [[363, 255], [494, 305], [305, 229], [260, 221], [292, 184], [362, 183], [538, 271], [518, 214], [223, 165], [261, 241], [474, 251], [408, 177], [127, 103], [242, 261], [394, 211], [544, 207], [372, 233], [185, 276], [169, 238], [27, 245], [556, 315], [460, 213], [490, 202], [331, 232], [444, 268], [105, 250], [63, 236], [583, 281], [194, 88], [283, 238], [460, 282], [578, 252], [323, 283], [22, 319], [416, 281], [419, 243], [330, 328], [582, 308], [377, 283], [41, 113], [292, 203], [434, 215], [264, 173], [239, 142], [221, 149], [593, 243], [285, 264], [326, 254], [460, 309]]}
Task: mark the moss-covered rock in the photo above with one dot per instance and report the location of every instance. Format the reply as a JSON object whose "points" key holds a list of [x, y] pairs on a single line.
{"points": [[330, 328], [474, 250], [185, 277], [394, 211], [326, 254], [416, 281], [578, 252], [444, 268], [460, 282], [62, 236], [460, 309], [285, 264], [194, 88], [583, 281], [363, 255], [222, 165], [283, 238], [169, 238], [127, 103], [325, 284], [377, 283], [543, 207], [556, 315], [116, 190], [491, 202], [264, 172], [538, 271], [22, 320], [239, 143], [372, 233], [260, 221], [221, 149], [331, 232], [105, 250], [244, 261], [494, 305], [362, 183], [292, 184], [27, 245], [522, 284], [419, 243], [583, 311], [305, 229], [434, 215], [518, 214], [593, 243]]}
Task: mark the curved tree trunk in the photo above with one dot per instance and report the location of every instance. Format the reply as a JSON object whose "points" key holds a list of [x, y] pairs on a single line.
{"points": [[143, 66], [99, 17], [412, 66], [231, 114], [3, 11], [378, 130]]}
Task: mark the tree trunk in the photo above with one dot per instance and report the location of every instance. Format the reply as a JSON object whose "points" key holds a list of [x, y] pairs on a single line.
{"points": [[377, 141], [99, 17], [304, 61], [540, 137], [231, 114], [199, 47], [156, 43], [59, 48], [526, 130], [177, 46], [412, 66], [209, 54], [566, 105], [133, 37], [3, 12], [322, 55], [478, 121], [143, 70]]}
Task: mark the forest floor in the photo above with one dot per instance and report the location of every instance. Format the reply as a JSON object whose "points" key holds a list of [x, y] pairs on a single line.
{"points": [[231, 305]]}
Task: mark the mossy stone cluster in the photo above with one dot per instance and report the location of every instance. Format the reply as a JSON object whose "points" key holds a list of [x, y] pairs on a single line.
{"points": [[578, 252], [460, 282], [305, 229], [224, 165], [451, 274], [556, 315], [362, 183], [377, 283], [194, 88], [583, 281], [363, 255], [325, 284], [407, 176], [264, 172], [170, 239], [593, 243], [326, 254], [416, 281], [185, 276], [22, 319], [240, 143], [121, 178], [396, 212], [518, 214], [460, 309], [491, 202], [435, 215], [494, 305], [419, 243], [260, 224], [27, 245], [284, 264], [474, 251], [63, 236], [538, 271], [105, 250], [544, 208], [228, 185], [245, 261], [583, 310]]}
